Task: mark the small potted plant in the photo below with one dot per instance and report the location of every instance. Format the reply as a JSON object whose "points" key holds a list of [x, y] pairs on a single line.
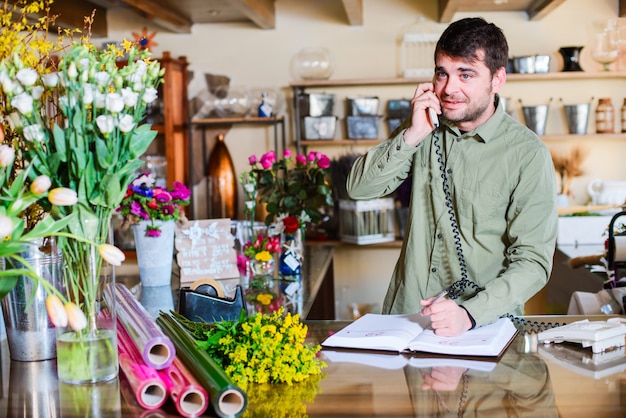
{"points": [[153, 211]]}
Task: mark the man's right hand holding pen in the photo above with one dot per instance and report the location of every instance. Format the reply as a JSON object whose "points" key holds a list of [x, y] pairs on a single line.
{"points": [[447, 318]]}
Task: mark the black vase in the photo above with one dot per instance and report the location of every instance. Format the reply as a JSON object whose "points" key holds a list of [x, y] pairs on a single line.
{"points": [[571, 58]]}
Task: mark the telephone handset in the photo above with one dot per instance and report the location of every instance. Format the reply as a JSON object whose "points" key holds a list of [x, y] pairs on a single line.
{"points": [[433, 117]]}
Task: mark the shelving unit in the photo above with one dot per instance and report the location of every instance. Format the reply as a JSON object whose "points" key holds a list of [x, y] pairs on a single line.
{"points": [[211, 127], [302, 87], [172, 134]]}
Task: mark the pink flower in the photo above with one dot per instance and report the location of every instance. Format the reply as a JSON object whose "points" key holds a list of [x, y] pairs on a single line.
{"points": [[312, 156], [323, 162], [268, 159], [162, 196], [301, 160], [252, 160], [180, 191], [287, 153]]}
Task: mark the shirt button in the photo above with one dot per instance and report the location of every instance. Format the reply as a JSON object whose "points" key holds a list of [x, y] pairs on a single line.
{"points": [[433, 270], [439, 236], [449, 171], [458, 139], [398, 147], [380, 166]]}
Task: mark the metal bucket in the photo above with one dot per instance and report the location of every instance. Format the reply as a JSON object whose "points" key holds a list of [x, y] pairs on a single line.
{"points": [[577, 116], [30, 334], [536, 117]]}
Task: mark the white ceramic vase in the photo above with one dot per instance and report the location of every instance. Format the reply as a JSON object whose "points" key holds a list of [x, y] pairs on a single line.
{"points": [[155, 254]]}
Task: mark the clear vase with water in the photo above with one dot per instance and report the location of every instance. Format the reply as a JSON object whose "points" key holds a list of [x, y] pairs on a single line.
{"points": [[88, 355]]}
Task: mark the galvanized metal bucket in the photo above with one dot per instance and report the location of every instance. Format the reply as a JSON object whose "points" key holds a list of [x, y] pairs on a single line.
{"points": [[30, 334]]}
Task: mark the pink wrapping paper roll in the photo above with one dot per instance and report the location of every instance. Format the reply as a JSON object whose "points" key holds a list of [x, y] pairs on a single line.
{"points": [[155, 347], [146, 384], [190, 398]]}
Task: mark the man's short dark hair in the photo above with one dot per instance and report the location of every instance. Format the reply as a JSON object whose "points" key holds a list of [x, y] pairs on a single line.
{"points": [[463, 38]]}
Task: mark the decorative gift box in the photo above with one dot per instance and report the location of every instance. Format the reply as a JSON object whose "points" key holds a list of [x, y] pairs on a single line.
{"points": [[367, 221]]}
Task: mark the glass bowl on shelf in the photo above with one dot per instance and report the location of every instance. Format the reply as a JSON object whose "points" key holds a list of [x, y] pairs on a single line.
{"points": [[313, 63]]}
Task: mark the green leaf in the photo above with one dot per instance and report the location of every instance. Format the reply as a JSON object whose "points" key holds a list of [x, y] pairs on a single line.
{"points": [[113, 191], [59, 142], [141, 140], [102, 153]]}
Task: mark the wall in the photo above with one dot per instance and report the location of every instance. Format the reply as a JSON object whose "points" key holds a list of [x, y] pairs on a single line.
{"points": [[253, 57]]}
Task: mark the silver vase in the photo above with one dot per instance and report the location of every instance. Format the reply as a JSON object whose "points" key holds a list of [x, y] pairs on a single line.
{"points": [[30, 334]]}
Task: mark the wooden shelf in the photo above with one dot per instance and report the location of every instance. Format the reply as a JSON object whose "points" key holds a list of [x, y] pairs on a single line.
{"points": [[560, 75], [237, 120], [563, 137]]}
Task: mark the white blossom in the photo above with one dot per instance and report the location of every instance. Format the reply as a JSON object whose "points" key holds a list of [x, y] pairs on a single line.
{"points": [[8, 84], [126, 123], [72, 72], [50, 79], [114, 102], [7, 155], [23, 102], [6, 226], [27, 76], [100, 100], [14, 120], [150, 95], [37, 92], [34, 133], [105, 123], [88, 93], [130, 97], [102, 78]]}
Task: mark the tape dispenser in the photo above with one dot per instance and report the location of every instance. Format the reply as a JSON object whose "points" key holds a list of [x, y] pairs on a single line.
{"points": [[204, 300]]}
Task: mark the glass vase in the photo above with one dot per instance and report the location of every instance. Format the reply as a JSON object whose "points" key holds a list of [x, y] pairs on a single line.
{"points": [[88, 355], [290, 271]]}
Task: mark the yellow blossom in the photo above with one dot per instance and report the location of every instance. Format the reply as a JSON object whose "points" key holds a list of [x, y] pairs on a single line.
{"points": [[263, 256], [264, 298]]}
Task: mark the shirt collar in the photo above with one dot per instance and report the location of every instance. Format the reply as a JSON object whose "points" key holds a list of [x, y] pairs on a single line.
{"points": [[486, 131]]}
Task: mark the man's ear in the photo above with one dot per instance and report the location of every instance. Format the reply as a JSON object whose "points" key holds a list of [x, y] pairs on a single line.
{"points": [[498, 79]]}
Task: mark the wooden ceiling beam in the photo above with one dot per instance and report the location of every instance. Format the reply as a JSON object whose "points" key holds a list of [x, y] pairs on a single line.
{"points": [[538, 9], [159, 15], [354, 11], [261, 12], [447, 9]]}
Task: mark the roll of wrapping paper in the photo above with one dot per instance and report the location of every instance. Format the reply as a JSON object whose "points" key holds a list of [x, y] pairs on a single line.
{"points": [[155, 347], [190, 398], [145, 383], [226, 398]]}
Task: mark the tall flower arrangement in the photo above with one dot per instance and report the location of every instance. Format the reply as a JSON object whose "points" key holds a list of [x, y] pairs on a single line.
{"points": [[81, 127]]}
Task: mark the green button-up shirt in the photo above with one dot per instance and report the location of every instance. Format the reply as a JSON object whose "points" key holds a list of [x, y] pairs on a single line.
{"points": [[503, 191]]}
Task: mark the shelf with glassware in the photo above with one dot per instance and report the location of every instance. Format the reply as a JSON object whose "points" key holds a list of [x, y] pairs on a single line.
{"points": [[211, 128], [301, 87]]}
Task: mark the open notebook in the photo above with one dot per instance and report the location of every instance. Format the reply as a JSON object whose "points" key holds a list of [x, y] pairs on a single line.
{"points": [[412, 332]]}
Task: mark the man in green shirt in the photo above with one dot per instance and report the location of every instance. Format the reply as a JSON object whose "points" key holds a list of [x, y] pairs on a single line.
{"points": [[483, 217]]}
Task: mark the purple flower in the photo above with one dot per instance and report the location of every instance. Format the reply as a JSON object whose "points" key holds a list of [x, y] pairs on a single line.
{"points": [[137, 210], [180, 191], [143, 190], [153, 231]]}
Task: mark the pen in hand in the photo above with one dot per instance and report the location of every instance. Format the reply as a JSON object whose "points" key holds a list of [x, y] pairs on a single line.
{"points": [[439, 296]]}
